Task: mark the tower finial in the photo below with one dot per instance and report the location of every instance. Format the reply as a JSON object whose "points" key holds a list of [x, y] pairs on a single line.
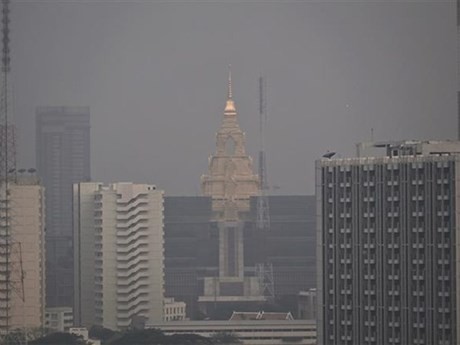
{"points": [[230, 93], [230, 107]]}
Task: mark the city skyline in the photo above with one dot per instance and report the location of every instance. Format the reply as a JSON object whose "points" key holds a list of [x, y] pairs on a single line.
{"points": [[161, 80]]}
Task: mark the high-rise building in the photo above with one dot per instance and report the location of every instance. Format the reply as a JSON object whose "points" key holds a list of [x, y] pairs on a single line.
{"points": [[63, 158], [388, 245], [118, 236], [23, 294]]}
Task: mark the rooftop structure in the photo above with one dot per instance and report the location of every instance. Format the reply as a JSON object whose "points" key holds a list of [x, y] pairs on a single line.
{"points": [[260, 315]]}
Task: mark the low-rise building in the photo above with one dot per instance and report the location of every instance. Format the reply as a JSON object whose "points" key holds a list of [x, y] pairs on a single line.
{"points": [[174, 310], [249, 332], [58, 319]]}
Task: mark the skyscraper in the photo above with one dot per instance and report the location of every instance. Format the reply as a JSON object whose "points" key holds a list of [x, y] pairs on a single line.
{"points": [[118, 236], [63, 158], [388, 245]]}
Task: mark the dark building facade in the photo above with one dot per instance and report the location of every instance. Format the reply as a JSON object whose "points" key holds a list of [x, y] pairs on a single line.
{"points": [[63, 158], [192, 253], [388, 246]]}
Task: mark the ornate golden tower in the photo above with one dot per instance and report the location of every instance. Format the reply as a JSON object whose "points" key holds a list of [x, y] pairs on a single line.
{"points": [[231, 180], [230, 183]]}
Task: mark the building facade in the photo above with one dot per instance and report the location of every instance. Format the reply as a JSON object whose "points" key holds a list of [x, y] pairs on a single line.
{"points": [[118, 236], [63, 158], [59, 319], [174, 310], [23, 294], [388, 239]]}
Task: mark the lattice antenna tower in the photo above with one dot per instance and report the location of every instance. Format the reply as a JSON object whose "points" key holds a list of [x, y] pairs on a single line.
{"points": [[264, 271], [263, 214], [7, 174]]}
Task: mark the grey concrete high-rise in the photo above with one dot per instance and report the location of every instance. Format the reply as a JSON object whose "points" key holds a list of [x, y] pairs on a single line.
{"points": [[388, 245], [63, 158]]}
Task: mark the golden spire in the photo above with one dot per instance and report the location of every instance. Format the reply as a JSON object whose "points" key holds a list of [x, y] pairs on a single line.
{"points": [[230, 106]]}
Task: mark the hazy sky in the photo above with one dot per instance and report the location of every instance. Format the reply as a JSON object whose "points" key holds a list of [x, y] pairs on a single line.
{"points": [[154, 74]]}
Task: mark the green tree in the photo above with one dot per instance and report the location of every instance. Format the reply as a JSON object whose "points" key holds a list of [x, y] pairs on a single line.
{"points": [[156, 337], [139, 337], [225, 338], [102, 334], [59, 339]]}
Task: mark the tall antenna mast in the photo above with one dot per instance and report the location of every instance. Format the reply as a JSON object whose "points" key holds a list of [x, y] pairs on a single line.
{"points": [[263, 216], [264, 271], [5, 240], [7, 170]]}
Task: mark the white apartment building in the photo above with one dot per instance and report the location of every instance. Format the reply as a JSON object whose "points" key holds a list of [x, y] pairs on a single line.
{"points": [[59, 319], [25, 288], [118, 241]]}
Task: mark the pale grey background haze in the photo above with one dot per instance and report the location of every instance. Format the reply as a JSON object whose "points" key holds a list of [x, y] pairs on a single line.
{"points": [[154, 75]]}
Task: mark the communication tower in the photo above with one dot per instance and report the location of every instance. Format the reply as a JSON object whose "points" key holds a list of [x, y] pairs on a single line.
{"points": [[264, 271], [11, 270]]}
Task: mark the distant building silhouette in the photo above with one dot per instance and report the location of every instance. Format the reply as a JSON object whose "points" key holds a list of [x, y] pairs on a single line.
{"points": [[63, 158], [387, 253]]}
